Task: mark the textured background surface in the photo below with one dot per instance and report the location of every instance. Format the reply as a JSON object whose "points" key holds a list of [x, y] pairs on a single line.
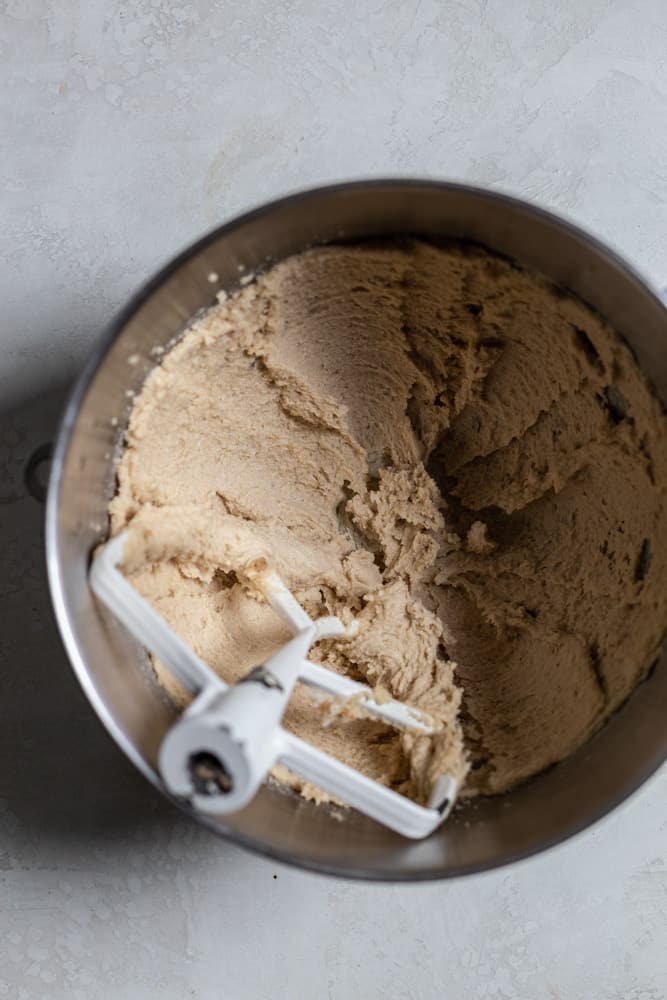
{"points": [[126, 130]]}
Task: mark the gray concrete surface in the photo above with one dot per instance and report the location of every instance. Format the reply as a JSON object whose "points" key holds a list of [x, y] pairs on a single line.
{"points": [[126, 130]]}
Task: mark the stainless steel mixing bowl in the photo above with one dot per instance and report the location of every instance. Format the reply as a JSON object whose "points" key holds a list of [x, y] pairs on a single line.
{"points": [[113, 670]]}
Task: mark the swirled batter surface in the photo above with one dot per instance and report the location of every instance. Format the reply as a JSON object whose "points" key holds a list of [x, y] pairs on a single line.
{"points": [[448, 448]]}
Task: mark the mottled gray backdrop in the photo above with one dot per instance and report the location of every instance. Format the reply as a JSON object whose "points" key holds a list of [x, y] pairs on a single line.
{"points": [[127, 129]]}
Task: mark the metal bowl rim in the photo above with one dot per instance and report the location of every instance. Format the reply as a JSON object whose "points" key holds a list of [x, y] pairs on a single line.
{"points": [[64, 433]]}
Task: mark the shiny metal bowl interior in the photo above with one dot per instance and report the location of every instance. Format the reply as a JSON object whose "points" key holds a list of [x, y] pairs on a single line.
{"points": [[113, 670]]}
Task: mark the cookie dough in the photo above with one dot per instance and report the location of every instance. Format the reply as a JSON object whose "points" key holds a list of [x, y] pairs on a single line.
{"points": [[446, 447]]}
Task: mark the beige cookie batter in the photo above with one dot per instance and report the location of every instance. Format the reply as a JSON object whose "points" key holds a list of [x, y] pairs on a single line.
{"points": [[439, 444]]}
